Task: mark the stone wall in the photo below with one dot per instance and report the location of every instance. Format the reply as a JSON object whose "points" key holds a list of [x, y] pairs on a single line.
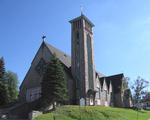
{"points": [[118, 102], [32, 78]]}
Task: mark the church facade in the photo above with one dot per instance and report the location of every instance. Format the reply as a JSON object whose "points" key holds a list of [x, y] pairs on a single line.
{"points": [[84, 83]]}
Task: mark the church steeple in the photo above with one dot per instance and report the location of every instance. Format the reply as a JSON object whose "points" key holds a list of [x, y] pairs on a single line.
{"points": [[82, 58], [82, 16]]}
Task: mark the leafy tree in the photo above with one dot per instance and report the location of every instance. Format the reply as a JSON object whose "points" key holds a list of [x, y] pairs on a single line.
{"points": [[11, 81], [139, 89], [127, 96], [54, 84], [8, 85], [126, 83]]}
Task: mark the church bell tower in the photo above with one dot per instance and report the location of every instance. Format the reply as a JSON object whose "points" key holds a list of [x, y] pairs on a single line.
{"points": [[82, 57]]}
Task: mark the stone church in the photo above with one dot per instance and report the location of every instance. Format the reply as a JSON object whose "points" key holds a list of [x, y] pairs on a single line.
{"points": [[85, 85]]}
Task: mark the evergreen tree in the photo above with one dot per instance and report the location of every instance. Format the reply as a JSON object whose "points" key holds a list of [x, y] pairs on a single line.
{"points": [[54, 84], [2, 69], [3, 94], [3, 88]]}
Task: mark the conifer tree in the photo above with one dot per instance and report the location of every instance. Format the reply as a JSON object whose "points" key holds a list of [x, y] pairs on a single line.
{"points": [[3, 94], [54, 84], [3, 88], [2, 68]]}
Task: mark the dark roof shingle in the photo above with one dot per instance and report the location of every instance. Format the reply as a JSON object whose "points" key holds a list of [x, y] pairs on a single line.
{"points": [[63, 57]]}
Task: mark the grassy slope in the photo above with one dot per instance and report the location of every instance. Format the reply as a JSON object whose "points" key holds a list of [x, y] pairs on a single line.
{"points": [[94, 113]]}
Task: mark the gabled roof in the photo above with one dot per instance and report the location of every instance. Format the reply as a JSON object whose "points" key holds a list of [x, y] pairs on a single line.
{"points": [[116, 81], [63, 57], [100, 75]]}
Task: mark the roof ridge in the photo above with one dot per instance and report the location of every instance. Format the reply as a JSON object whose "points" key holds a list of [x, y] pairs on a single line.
{"points": [[47, 44], [63, 57]]}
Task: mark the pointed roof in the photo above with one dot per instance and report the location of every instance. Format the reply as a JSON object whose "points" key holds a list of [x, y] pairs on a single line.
{"points": [[116, 81], [100, 75], [63, 57]]}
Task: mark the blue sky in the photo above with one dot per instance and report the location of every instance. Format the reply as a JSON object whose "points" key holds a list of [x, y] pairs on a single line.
{"points": [[121, 32]]}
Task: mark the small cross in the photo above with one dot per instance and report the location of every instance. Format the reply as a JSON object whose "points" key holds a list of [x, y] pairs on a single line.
{"points": [[81, 9], [43, 37]]}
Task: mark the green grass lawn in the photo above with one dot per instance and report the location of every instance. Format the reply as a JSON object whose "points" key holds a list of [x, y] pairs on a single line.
{"points": [[93, 113]]}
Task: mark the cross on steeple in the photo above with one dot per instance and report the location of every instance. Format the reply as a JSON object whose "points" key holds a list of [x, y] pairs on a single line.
{"points": [[43, 37], [81, 9]]}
